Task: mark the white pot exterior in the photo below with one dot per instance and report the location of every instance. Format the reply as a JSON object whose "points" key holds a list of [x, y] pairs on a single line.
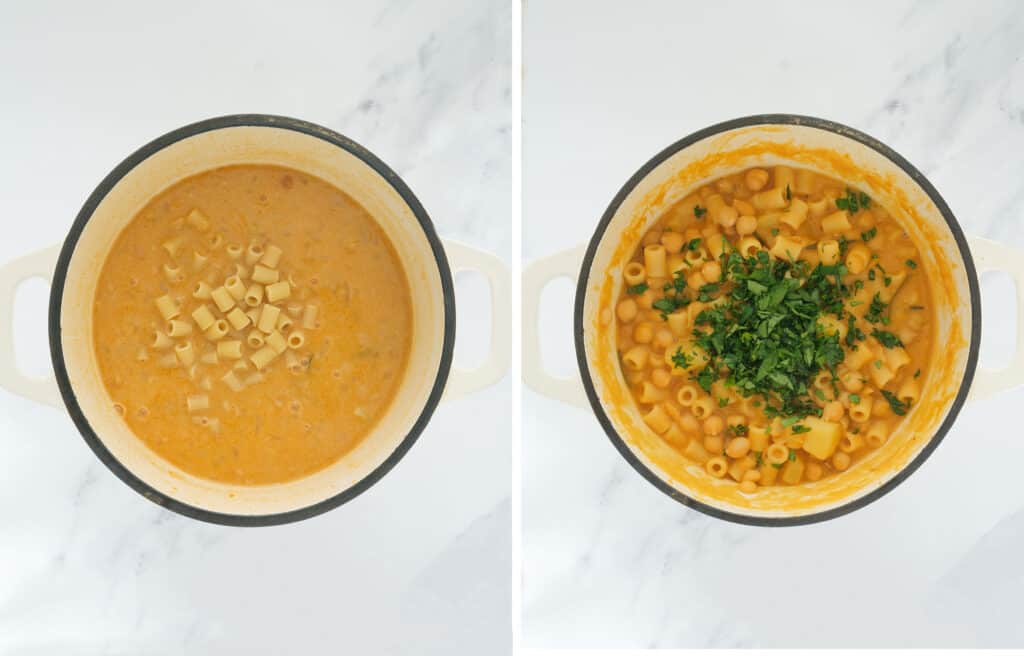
{"points": [[433, 315]]}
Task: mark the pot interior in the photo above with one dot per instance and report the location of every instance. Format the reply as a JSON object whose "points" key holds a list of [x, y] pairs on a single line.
{"points": [[253, 145], [830, 152]]}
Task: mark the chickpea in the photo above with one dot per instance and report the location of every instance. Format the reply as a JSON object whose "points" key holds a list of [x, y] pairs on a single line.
{"points": [[711, 271], [727, 217], [661, 378], [626, 310], [652, 237], [746, 225], [881, 408], [738, 447], [714, 425], [813, 471], [725, 185], [689, 424], [663, 338], [833, 411], [756, 179], [841, 461], [672, 241], [643, 333], [748, 487], [646, 300], [713, 443]]}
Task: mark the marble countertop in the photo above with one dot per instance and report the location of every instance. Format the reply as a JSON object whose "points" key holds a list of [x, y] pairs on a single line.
{"points": [[410, 567], [610, 561]]}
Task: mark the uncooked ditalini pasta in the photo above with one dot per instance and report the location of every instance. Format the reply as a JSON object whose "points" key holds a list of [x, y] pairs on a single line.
{"points": [[284, 323], [264, 275], [223, 299], [230, 348], [774, 327], [268, 318], [198, 220], [277, 342], [202, 290], [203, 317], [161, 340], [186, 355], [233, 382], [178, 328], [271, 256], [253, 254], [261, 358], [235, 287], [238, 319], [296, 339], [197, 402], [209, 357], [309, 317], [167, 307], [254, 295], [278, 292], [217, 331], [234, 251], [255, 339]]}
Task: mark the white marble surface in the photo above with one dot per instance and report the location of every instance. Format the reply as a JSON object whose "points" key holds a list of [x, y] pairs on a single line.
{"points": [[419, 564], [610, 561]]}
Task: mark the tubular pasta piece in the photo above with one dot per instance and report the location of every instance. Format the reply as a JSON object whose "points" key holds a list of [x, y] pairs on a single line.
{"points": [[254, 295], [272, 256], [255, 339], [167, 308], [309, 317], [197, 402], [278, 292], [231, 380], [277, 342], [162, 341], [268, 318], [264, 276], [261, 358], [217, 330], [238, 319], [253, 254], [186, 354], [198, 220], [202, 291], [203, 316], [178, 328], [223, 298], [231, 348], [235, 288], [296, 339]]}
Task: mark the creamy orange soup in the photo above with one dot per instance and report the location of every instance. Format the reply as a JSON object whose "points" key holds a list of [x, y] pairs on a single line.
{"points": [[252, 324], [775, 326]]}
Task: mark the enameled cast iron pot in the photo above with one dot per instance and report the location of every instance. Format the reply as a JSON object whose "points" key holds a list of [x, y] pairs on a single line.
{"points": [[951, 260], [249, 139]]}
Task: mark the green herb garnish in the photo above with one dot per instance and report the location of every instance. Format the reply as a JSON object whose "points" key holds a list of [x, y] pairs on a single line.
{"points": [[699, 211], [912, 264], [679, 359], [855, 399], [693, 244], [898, 407], [886, 338], [853, 201], [868, 235], [637, 289], [875, 310]]}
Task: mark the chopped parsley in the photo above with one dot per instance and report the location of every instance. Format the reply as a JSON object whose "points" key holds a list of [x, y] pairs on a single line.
{"points": [[763, 336], [853, 201], [886, 338], [818, 393], [799, 428], [637, 289], [917, 373], [916, 307], [679, 359], [912, 264], [792, 453], [844, 246], [855, 399], [853, 333], [878, 364], [875, 310], [789, 194], [723, 401], [871, 274], [898, 407], [699, 211], [739, 430], [693, 244], [868, 235]]}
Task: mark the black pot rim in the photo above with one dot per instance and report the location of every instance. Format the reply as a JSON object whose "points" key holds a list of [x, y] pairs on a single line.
{"points": [[972, 359], [57, 292]]}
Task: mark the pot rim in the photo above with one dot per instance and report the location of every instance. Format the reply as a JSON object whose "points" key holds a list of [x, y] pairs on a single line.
{"points": [[57, 292], [972, 278]]}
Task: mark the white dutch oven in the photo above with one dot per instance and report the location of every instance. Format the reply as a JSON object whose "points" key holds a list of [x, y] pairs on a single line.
{"points": [[831, 149], [248, 139]]}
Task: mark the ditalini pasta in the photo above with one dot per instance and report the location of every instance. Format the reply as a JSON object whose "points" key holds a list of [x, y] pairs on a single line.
{"points": [[230, 325], [774, 326]]}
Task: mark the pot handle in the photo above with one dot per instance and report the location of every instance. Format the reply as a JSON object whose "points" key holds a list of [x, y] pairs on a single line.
{"points": [[35, 265], [992, 256], [465, 258], [536, 276]]}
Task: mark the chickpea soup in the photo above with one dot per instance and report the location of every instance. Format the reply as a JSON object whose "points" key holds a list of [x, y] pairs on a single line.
{"points": [[774, 326], [251, 324]]}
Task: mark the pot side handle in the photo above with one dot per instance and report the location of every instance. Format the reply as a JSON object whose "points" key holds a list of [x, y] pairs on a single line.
{"points": [[465, 381], [536, 276], [35, 265], [993, 256]]}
